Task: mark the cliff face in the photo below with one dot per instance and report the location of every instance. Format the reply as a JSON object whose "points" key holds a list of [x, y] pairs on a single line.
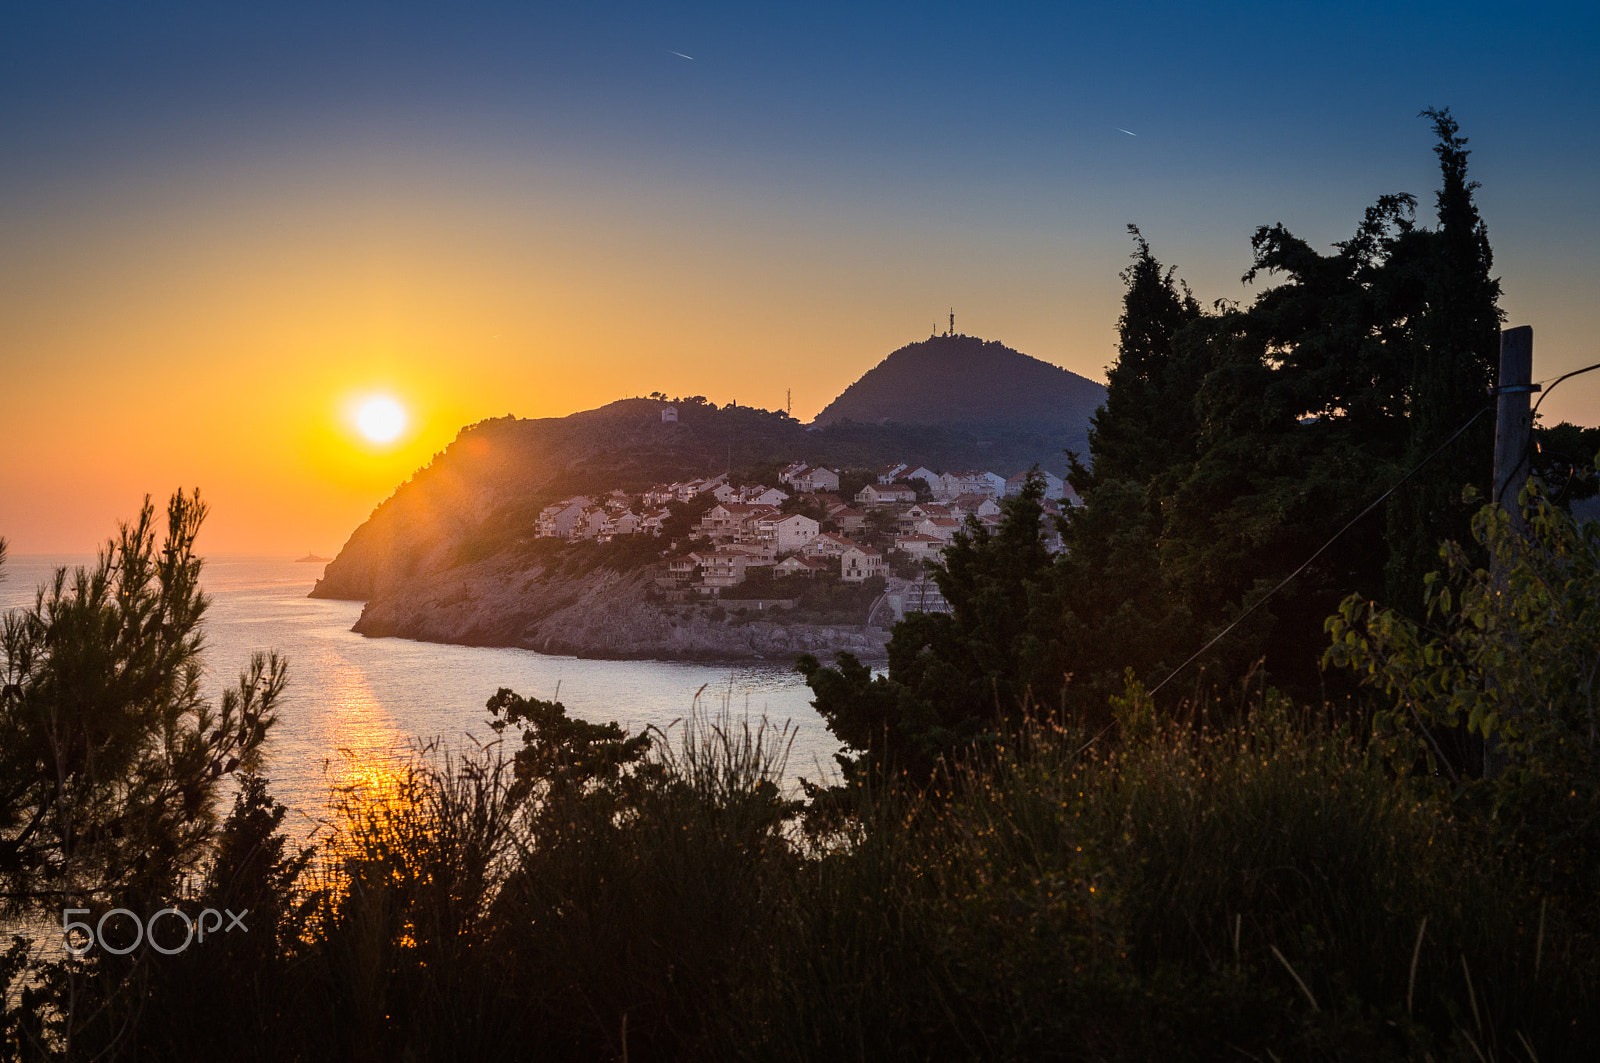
{"points": [[499, 602]]}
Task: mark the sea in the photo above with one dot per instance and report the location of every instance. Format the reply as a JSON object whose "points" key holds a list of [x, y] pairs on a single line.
{"points": [[357, 708]]}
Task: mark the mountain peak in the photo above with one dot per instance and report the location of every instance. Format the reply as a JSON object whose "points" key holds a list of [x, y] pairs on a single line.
{"points": [[967, 382]]}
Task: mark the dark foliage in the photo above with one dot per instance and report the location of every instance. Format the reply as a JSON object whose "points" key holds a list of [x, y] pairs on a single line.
{"points": [[1564, 460], [952, 678], [110, 759]]}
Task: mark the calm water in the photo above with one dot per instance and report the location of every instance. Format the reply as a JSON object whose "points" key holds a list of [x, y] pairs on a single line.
{"points": [[354, 705]]}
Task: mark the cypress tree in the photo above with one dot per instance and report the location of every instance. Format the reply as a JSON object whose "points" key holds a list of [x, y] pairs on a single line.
{"points": [[1147, 423], [1454, 365]]}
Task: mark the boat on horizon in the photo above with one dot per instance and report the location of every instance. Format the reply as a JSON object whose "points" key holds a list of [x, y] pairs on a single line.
{"points": [[313, 557]]}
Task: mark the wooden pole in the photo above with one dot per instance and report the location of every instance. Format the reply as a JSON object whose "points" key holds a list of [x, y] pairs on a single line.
{"points": [[1513, 421], [1513, 427]]}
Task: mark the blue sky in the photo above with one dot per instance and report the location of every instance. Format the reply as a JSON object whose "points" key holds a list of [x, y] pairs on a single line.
{"points": [[815, 187]]}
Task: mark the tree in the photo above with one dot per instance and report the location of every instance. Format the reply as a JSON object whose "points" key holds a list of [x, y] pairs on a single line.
{"points": [[952, 677], [561, 757], [1234, 444], [1147, 423], [1258, 433], [920, 486], [851, 481], [1444, 278], [683, 517], [1563, 461], [110, 759]]}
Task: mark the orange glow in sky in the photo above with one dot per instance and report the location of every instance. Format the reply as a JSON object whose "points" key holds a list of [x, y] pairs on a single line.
{"points": [[224, 228], [184, 338], [180, 338]]}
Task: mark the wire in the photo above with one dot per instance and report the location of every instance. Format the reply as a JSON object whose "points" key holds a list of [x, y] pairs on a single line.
{"points": [[1564, 376], [1533, 415], [1352, 522]]}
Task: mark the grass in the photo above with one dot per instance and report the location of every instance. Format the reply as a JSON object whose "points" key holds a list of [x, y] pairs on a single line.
{"points": [[1244, 886]]}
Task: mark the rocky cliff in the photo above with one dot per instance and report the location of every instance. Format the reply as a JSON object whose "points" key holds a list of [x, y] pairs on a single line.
{"points": [[602, 613]]}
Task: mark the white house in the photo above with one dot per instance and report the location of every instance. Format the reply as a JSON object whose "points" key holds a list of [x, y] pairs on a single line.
{"points": [[786, 531], [559, 519], [669, 415], [850, 521], [624, 523], [974, 505], [860, 563], [806, 479], [590, 523], [686, 491], [952, 484], [993, 484], [874, 495], [820, 480], [733, 521], [756, 554], [941, 528], [683, 569], [921, 510], [725, 568], [827, 544], [920, 547], [801, 566], [765, 496]]}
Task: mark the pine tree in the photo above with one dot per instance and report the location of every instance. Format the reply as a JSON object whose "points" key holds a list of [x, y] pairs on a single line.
{"points": [[110, 759]]}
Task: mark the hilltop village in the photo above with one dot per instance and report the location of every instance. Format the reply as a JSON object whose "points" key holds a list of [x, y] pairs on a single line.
{"points": [[729, 536]]}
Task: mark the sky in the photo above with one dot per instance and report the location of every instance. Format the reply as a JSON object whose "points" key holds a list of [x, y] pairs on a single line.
{"points": [[225, 225]]}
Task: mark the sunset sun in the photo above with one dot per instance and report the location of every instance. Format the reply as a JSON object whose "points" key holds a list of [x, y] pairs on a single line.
{"points": [[381, 420]]}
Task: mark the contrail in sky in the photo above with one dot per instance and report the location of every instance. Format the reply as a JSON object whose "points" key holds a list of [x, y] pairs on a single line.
{"points": [[1130, 132], [680, 55]]}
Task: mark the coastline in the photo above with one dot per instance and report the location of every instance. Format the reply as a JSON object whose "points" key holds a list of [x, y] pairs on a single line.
{"points": [[597, 615]]}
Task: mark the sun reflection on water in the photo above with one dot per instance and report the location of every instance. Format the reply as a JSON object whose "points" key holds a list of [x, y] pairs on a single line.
{"points": [[370, 749]]}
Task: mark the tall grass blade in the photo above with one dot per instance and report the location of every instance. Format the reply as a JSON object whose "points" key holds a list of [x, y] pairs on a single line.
{"points": [[1538, 948], [1472, 994], [1416, 951], [1300, 981]]}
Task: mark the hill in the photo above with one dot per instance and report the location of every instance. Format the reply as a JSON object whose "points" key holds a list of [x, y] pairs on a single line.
{"points": [[481, 493], [472, 509], [970, 384]]}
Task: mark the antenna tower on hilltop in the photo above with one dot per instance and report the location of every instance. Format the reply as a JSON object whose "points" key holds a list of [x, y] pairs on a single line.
{"points": [[952, 331], [788, 401]]}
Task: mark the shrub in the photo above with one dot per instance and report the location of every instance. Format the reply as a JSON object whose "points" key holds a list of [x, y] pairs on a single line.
{"points": [[1510, 660]]}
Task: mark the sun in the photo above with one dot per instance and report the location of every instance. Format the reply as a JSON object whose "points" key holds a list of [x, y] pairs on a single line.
{"points": [[381, 420]]}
